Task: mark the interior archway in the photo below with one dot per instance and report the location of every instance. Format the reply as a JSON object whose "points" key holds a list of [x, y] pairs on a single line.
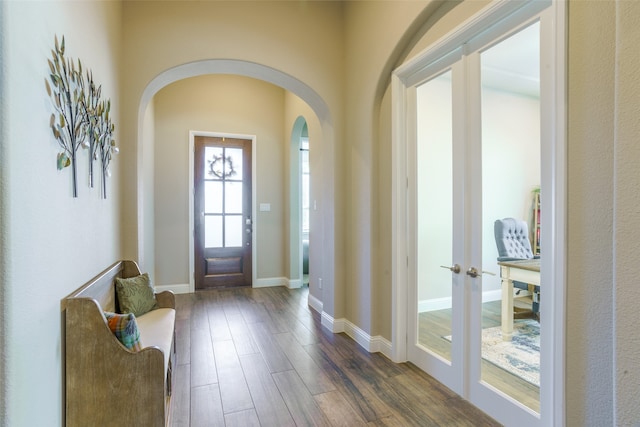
{"points": [[256, 71]]}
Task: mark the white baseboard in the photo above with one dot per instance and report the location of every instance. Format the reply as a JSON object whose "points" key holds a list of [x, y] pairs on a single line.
{"points": [[375, 344], [314, 303], [180, 288], [294, 284], [183, 288], [269, 282]]}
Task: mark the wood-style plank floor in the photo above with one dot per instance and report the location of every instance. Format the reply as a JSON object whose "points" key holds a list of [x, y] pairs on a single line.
{"points": [[259, 357], [436, 324]]}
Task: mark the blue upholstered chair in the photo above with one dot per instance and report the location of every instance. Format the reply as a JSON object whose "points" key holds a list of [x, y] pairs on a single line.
{"points": [[512, 239]]}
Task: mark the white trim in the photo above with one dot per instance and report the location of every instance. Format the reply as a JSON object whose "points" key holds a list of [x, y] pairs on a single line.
{"points": [[327, 322], [372, 344], [254, 174], [295, 208], [379, 344], [270, 282], [315, 303], [399, 271], [180, 288], [294, 283], [555, 214]]}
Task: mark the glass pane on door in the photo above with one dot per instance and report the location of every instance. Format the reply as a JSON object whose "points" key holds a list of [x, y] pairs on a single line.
{"points": [[510, 103], [434, 215], [223, 197]]}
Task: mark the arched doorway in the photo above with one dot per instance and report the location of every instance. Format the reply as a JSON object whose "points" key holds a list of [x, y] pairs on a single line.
{"points": [[297, 256], [266, 74]]}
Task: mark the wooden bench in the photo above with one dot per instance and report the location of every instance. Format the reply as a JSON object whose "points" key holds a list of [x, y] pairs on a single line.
{"points": [[106, 383]]}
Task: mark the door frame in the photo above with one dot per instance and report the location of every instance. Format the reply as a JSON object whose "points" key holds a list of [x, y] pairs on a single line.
{"points": [[295, 206], [553, 179], [252, 138]]}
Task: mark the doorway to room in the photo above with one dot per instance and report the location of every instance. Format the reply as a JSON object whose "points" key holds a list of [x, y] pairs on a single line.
{"points": [[300, 204], [471, 150], [305, 174]]}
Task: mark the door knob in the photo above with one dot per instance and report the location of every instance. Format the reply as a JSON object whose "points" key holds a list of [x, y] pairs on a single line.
{"points": [[455, 268], [473, 272]]}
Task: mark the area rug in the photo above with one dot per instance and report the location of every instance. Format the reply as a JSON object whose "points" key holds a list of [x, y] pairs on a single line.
{"points": [[520, 356]]}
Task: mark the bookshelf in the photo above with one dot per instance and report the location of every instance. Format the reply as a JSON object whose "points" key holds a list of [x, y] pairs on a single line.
{"points": [[535, 230]]}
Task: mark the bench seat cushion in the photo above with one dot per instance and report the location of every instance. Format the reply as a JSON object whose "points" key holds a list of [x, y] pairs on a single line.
{"points": [[156, 329]]}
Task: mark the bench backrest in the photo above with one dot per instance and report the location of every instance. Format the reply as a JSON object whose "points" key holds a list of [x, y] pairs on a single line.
{"points": [[102, 287]]}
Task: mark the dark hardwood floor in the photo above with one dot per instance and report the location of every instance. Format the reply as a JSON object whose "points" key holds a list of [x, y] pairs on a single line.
{"points": [[259, 357]]}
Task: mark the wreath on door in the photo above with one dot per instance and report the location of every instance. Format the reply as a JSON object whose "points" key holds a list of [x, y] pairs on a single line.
{"points": [[222, 167]]}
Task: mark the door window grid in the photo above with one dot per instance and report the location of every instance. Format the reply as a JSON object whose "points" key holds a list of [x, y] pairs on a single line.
{"points": [[223, 196]]}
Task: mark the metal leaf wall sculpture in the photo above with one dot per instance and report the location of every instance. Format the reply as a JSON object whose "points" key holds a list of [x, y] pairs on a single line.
{"points": [[81, 117], [92, 103]]}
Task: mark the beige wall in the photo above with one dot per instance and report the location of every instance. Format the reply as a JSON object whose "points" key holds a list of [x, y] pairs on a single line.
{"points": [[626, 208], [590, 169], [51, 242]]}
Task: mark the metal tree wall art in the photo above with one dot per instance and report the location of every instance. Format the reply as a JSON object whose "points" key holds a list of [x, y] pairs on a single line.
{"points": [[91, 103], [81, 118], [68, 122], [105, 141]]}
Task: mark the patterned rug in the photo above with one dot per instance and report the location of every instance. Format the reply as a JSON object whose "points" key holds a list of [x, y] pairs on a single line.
{"points": [[520, 356]]}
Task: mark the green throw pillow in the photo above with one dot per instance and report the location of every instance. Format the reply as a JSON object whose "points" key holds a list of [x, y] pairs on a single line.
{"points": [[125, 328], [136, 295]]}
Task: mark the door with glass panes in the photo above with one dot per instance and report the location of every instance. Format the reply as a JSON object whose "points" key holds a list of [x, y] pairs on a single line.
{"points": [[222, 209], [475, 157]]}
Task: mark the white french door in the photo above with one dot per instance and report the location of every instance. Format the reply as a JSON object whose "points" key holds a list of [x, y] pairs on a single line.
{"points": [[475, 143]]}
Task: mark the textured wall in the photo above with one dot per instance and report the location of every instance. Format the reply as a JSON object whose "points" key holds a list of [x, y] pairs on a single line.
{"points": [[590, 170], [627, 216]]}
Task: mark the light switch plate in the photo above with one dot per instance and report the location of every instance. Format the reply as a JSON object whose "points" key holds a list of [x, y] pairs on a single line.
{"points": [[265, 207]]}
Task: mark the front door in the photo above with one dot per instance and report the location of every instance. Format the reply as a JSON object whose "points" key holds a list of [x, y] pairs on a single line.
{"points": [[222, 210]]}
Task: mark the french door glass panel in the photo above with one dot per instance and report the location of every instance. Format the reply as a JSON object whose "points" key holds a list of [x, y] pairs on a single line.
{"points": [[434, 216], [510, 122]]}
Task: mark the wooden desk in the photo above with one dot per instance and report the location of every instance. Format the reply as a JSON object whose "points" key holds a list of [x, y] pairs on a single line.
{"points": [[527, 271]]}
